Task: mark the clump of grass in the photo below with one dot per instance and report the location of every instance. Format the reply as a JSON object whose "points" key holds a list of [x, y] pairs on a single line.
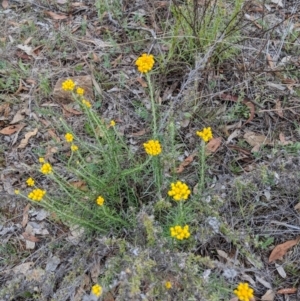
{"points": [[198, 25]]}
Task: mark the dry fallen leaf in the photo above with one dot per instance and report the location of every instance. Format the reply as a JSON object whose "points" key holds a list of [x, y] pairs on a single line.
{"points": [[27, 49], [223, 254], [20, 115], [213, 145], [28, 135], [5, 4], [116, 62], [280, 250], [278, 2], [95, 57], [297, 207], [30, 237], [9, 130], [253, 139], [187, 161], [20, 88], [248, 279], [142, 82], [71, 110], [284, 291], [80, 292], [264, 282], [95, 272], [233, 135], [268, 296], [49, 153], [55, 16], [283, 141], [5, 109], [278, 108], [81, 185], [280, 270], [137, 134], [256, 140], [270, 61], [25, 215], [53, 135], [23, 268], [109, 296]]}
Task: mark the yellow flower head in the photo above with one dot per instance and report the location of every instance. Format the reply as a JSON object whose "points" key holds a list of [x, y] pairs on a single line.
{"points": [[145, 63], [74, 148], [112, 123], [244, 292], [37, 194], [100, 201], [86, 103], [17, 191], [152, 147], [80, 91], [68, 85], [97, 290], [46, 168], [30, 182], [168, 285], [69, 137], [205, 134], [179, 191], [41, 160], [179, 232]]}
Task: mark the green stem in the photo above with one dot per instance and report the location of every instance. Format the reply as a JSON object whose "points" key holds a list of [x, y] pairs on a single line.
{"points": [[59, 180], [75, 220], [152, 105], [202, 168], [111, 217], [157, 174], [113, 157]]}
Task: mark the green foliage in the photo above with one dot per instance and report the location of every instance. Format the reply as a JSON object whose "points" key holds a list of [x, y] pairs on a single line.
{"points": [[104, 166], [263, 243], [197, 27]]}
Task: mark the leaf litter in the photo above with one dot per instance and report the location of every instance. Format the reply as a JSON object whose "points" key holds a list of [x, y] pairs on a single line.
{"points": [[280, 250]]}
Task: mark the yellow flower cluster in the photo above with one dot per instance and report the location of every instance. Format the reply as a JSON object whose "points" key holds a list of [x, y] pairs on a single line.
{"points": [[80, 91], [74, 148], [86, 103], [145, 63], [168, 285], [205, 134], [244, 292], [41, 160], [30, 182], [180, 232], [152, 147], [68, 85], [97, 290], [100, 201], [112, 123], [69, 137], [46, 168], [37, 194], [179, 191]]}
